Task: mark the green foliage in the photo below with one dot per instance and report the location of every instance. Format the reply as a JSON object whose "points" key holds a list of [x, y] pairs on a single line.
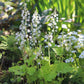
{"points": [[63, 67], [78, 77], [9, 50], [6, 78], [48, 72], [3, 44], [81, 62], [58, 50], [31, 70], [7, 42], [18, 70], [0, 55]]}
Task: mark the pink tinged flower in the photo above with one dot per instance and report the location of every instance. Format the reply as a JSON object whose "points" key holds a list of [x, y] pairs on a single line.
{"points": [[38, 63], [70, 20], [50, 24]]}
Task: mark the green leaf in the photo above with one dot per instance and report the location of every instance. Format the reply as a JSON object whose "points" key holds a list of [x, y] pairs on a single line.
{"points": [[18, 70], [47, 72], [41, 82], [30, 60], [4, 37], [3, 45], [31, 70], [81, 62], [46, 58], [63, 67], [0, 55], [33, 77], [55, 82], [58, 50], [8, 3], [18, 79]]}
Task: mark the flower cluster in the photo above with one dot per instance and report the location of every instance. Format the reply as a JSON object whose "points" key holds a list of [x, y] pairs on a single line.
{"points": [[35, 29], [51, 21], [71, 42], [72, 38], [81, 55], [22, 36], [64, 26], [69, 60], [8, 8], [48, 37]]}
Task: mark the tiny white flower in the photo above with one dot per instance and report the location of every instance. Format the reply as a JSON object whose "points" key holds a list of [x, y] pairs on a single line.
{"points": [[28, 30], [49, 44], [46, 46], [57, 20], [71, 59], [34, 25], [81, 55], [73, 51], [16, 42], [68, 30], [60, 36], [55, 15], [21, 3], [42, 57], [50, 24], [75, 33], [38, 63], [56, 27], [64, 26], [79, 30], [26, 36], [67, 60], [63, 18]]}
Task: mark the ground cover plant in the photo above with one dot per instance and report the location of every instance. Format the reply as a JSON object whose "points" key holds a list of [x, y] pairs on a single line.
{"points": [[44, 50]]}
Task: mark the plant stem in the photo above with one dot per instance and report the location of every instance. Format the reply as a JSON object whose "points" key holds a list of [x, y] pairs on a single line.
{"points": [[49, 54]]}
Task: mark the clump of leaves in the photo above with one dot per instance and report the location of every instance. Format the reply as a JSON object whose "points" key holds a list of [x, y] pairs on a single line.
{"points": [[12, 53], [40, 72]]}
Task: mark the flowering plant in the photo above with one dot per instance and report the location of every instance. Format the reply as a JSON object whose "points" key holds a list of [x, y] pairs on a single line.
{"points": [[49, 50]]}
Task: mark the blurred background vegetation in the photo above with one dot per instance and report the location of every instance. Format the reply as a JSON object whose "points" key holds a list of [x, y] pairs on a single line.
{"points": [[10, 10]]}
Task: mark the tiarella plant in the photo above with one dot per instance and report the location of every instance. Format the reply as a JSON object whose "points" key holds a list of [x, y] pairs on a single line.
{"points": [[42, 38]]}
